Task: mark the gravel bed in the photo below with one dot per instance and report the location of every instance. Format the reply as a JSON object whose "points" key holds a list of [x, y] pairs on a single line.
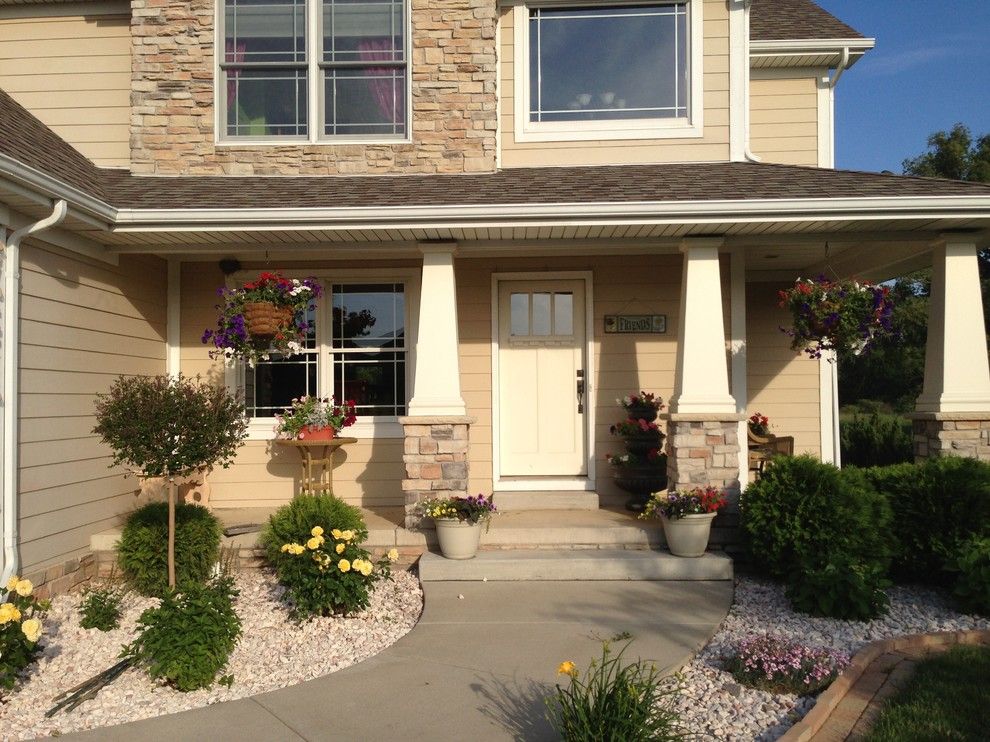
{"points": [[272, 653], [717, 707]]}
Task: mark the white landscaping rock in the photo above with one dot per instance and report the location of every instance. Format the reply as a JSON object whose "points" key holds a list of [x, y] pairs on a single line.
{"points": [[273, 652]]}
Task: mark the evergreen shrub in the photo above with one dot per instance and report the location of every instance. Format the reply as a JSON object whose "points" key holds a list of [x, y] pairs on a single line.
{"points": [[876, 440]]}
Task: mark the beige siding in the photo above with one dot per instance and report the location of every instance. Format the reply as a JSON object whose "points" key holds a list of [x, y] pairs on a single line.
{"points": [[713, 146], [784, 119], [74, 73], [83, 323], [783, 384]]}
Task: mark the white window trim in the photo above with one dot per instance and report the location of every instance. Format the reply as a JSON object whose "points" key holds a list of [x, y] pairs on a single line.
{"points": [[314, 89], [567, 131], [367, 427]]}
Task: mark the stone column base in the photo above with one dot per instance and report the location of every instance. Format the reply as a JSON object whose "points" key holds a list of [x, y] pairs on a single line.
{"points": [[703, 451], [436, 459], [951, 434]]}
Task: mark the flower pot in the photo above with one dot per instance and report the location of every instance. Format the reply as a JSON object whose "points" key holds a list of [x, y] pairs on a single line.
{"points": [[687, 536], [262, 319], [311, 433], [641, 481], [458, 538], [645, 412], [642, 444]]}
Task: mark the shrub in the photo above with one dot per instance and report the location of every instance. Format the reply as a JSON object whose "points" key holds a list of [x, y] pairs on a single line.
{"points": [[616, 702], [972, 562], [314, 545], [876, 440], [100, 607], [937, 504], [20, 629], [143, 547], [188, 638], [774, 664], [807, 522]]}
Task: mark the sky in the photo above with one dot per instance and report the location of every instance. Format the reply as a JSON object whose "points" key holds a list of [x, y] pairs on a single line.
{"points": [[929, 70]]}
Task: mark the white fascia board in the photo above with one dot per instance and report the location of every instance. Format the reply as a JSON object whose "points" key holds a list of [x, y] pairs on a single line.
{"points": [[48, 187], [828, 209], [804, 47]]}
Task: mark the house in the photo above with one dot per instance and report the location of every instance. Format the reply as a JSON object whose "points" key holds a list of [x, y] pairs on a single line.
{"points": [[489, 181]]}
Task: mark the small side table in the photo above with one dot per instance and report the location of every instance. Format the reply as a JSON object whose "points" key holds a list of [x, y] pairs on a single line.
{"points": [[317, 463]]}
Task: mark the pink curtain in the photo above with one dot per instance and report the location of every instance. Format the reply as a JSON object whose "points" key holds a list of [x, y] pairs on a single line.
{"points": [[231, 56], [391, 103]]}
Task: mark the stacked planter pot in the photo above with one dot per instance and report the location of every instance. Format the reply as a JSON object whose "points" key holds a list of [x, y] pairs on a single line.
{"points": [[645, 476]]}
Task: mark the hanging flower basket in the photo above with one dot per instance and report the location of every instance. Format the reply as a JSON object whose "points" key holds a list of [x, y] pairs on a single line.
{"points": [[262, 318], [845, 316]]}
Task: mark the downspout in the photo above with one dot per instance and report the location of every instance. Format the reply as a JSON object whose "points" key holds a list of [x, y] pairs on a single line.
{"points": [[747, 152], [840, 68], [11, 342]]}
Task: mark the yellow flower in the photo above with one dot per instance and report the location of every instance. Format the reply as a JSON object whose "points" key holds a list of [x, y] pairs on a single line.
{"points": [[24, 588], [366, 568], [317, 531], [567, 668], [6, 613], [12, 583], [339, 548], [32, 629], [393, 555], [313, 543], [344, 566], [336, 533], [347, 535], [285, 548]]}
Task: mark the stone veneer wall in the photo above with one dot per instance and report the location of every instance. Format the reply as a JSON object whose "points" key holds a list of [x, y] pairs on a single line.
{"points": [[703, 452], [436, 459], [453, 66], [951, 434]]}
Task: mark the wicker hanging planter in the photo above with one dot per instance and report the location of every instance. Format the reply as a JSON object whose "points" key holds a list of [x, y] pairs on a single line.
{"points": [[263, 319]]}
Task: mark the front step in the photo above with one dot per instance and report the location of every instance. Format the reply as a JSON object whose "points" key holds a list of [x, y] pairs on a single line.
{"points": [[575, 564], [532, 500]]}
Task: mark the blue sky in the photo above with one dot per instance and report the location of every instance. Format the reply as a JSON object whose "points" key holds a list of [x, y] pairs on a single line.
{"points": [[929, 70]]}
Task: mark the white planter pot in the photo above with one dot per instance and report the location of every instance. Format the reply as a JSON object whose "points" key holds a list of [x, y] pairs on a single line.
{"points": [[458, 539], [688, 536]]}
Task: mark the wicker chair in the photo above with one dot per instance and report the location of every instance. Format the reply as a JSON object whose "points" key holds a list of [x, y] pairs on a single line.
{"points": [[763, 448]]}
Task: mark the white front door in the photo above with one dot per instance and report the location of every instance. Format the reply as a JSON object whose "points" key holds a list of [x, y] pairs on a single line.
{"points": [[541, 349]]}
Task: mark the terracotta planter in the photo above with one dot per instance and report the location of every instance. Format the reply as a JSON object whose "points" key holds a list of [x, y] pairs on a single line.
{"points": [[262, 319], [458, 539], [310, 433], [688, 535]]}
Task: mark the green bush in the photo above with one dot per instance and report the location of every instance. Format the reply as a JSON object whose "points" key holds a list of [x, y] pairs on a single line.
{"points": [[314, 544], [188, 638], [806, 522], [937, 504], [143, 547], [876, 440], [100, 607], [615, 702], [972, 562]]}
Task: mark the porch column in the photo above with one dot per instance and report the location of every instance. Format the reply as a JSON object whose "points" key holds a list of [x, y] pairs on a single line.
{"points": [[952, 415], [703, 424], [436, 429]]}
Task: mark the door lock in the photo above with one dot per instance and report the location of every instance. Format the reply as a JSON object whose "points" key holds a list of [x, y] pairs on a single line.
{"points": [[580, 390]]}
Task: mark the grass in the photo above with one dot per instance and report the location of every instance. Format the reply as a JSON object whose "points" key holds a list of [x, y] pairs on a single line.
{"points": [[948, 698]]}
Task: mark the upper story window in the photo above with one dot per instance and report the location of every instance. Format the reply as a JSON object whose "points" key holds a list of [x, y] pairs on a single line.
{"points": [[607, 71], [313, 70]]}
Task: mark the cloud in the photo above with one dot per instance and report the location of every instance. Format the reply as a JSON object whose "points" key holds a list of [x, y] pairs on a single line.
{"points": [[901, 61]]}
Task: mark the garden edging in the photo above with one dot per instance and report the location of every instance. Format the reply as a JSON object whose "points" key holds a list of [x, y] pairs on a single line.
{"points": [[828, 701]]}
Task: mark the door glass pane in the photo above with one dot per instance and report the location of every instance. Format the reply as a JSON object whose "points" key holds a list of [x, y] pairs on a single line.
{"points": [[541, 314], [563, 314], [519, 314]]}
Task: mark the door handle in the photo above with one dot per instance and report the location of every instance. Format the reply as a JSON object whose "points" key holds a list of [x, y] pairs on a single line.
{"points": [[580, 390]]}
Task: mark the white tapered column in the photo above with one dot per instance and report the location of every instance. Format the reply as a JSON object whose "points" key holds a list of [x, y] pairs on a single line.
{"points": [[437, 381]]}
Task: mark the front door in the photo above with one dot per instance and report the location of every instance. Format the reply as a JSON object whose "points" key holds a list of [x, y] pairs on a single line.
{"points": [[541, 348]]}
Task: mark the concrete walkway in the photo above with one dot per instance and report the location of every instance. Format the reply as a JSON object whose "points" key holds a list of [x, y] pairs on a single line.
{"points": [[477, 666]]}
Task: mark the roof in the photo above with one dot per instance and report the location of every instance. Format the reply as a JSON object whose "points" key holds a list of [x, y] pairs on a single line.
{"points": [[795, 19], [769, 20]]}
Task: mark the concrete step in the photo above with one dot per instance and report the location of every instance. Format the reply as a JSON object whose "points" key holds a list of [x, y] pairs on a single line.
{"points": [[574, 500], [575, 564]]}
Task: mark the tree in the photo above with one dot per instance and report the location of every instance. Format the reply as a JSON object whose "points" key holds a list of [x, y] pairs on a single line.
{"points": [[954, 155]]}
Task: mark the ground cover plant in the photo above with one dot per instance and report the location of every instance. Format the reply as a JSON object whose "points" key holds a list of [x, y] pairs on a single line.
{"points": [[947, 699], [20, 628], [142, 555], [774, 664], [614, 701], [101, 606]]}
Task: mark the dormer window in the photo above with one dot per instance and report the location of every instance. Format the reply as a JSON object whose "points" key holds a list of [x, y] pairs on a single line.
{"points": [[607, 71], [313, 70]]}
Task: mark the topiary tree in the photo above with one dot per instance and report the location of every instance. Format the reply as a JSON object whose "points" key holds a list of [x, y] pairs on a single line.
{"points": [[165, 426]]}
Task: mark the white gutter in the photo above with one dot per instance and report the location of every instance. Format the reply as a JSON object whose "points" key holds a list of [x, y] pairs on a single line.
{"points": [[839, 69], [54, 189], [11, 341]]}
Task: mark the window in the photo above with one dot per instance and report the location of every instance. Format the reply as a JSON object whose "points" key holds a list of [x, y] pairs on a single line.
{"points": [[357, 350], [313, 70], [608, 71]]}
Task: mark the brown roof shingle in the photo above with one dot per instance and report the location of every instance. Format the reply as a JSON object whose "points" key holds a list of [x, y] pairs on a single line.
{"points": [[775, 20]]}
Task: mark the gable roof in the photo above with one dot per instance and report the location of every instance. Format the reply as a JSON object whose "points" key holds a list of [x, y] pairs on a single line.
{"points": [[777, 20]]}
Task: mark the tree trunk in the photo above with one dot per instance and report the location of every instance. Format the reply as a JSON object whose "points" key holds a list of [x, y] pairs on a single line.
{"points": [[171, 532]]}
